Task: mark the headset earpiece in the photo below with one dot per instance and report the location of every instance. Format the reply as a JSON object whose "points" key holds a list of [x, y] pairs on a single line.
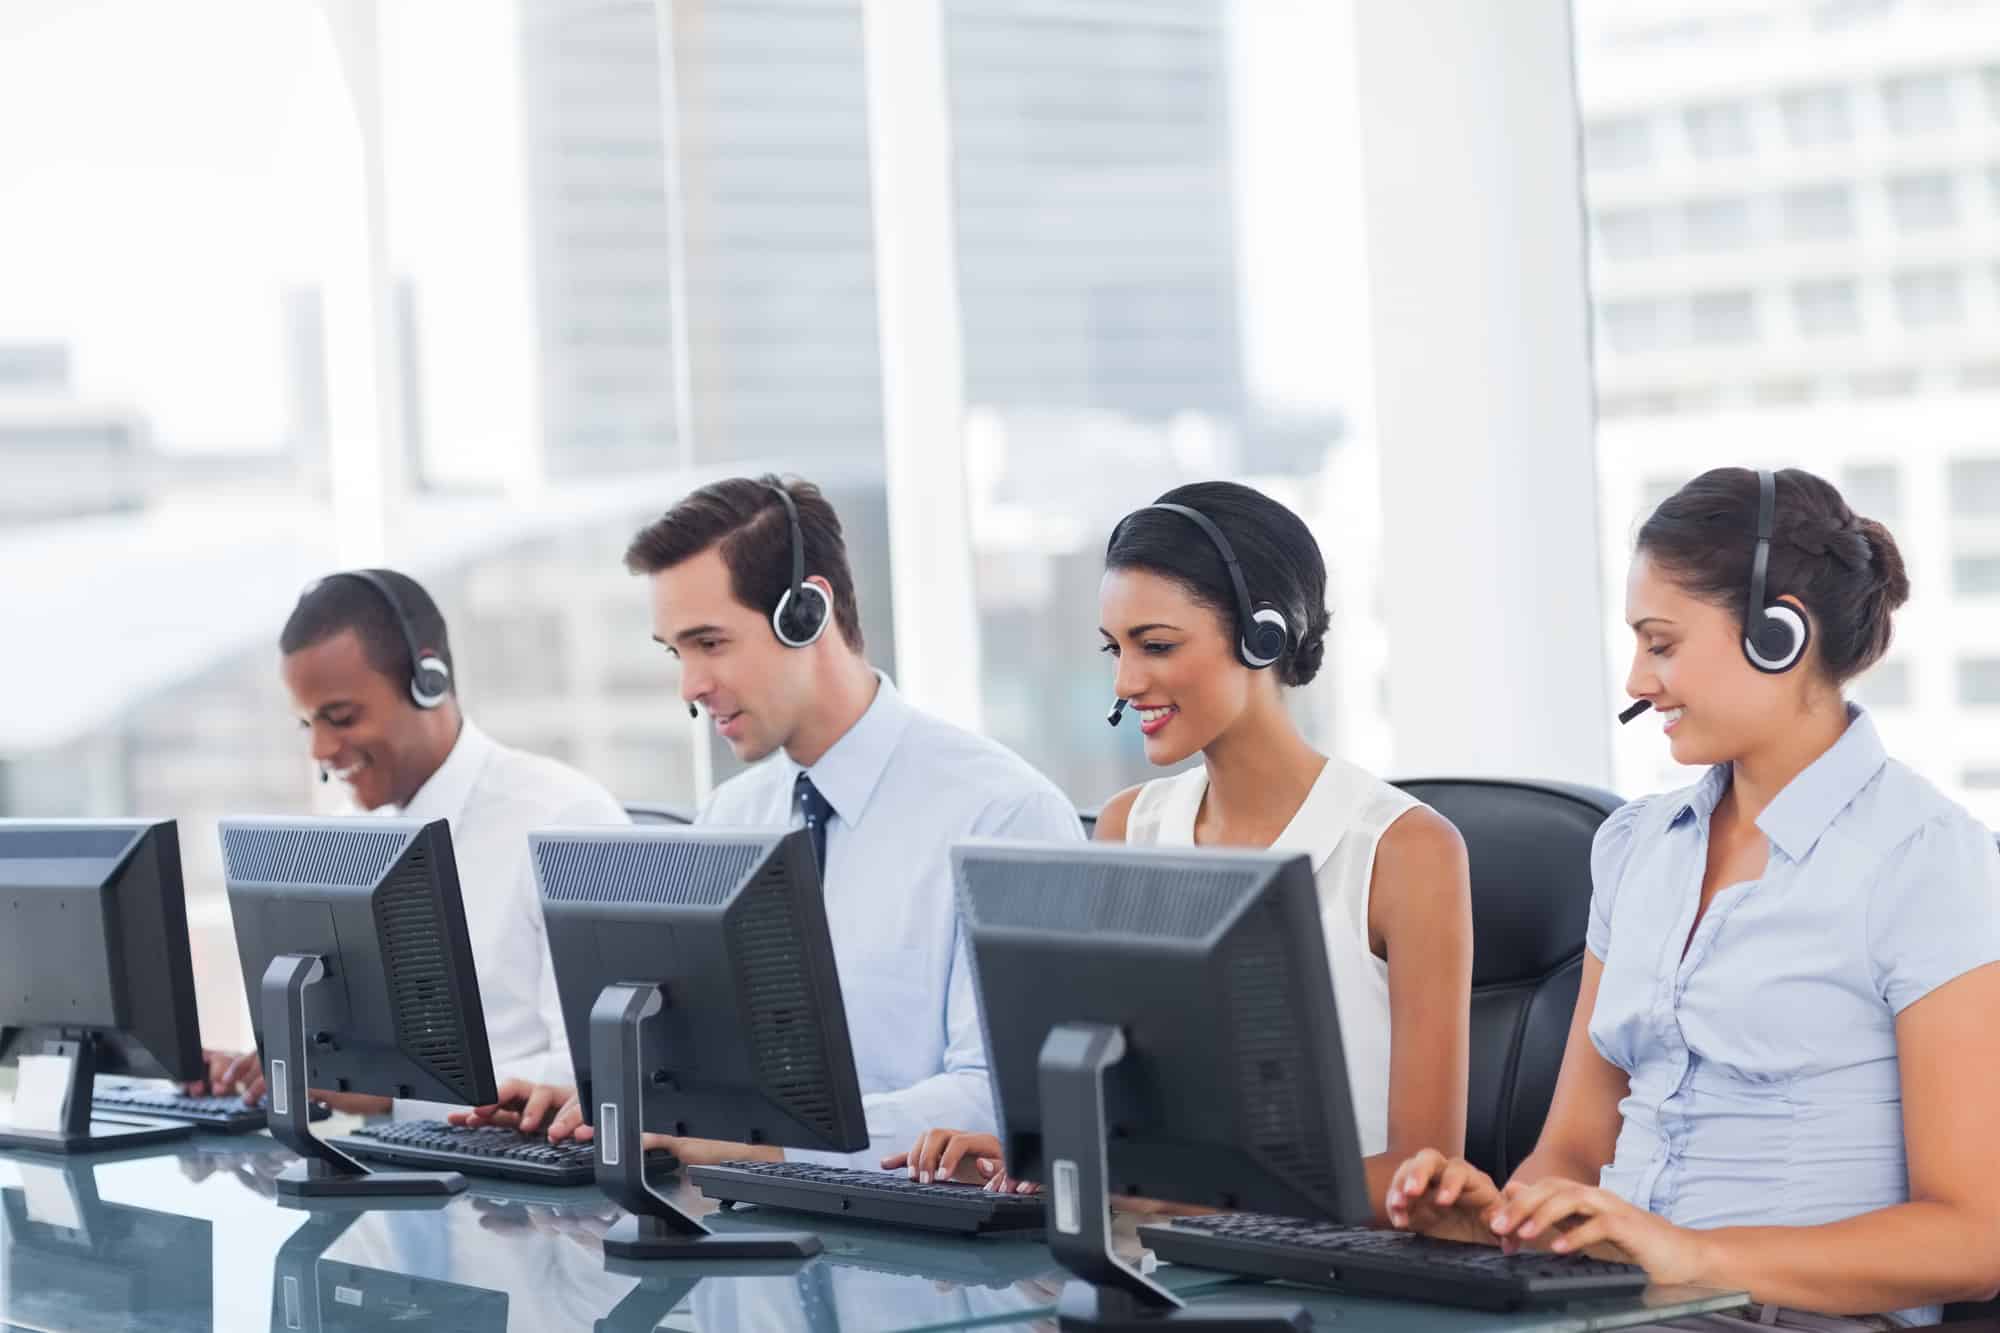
{"points": [[1265, 638], [798, 619], [430, 684], [1775, 634]]}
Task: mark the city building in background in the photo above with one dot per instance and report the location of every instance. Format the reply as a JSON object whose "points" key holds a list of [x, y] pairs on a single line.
{"points": [[1795, 212]]}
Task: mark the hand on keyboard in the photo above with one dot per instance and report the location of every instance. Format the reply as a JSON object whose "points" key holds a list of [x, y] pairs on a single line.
{"points": [[1572, 1218], [941, 1155], [520, 1105], [1449, 1198]]}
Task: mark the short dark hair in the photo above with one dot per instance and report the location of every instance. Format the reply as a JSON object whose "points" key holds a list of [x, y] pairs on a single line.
{"points": [[1281, 562], [747, 519], [341, 602], [1844, 568]]}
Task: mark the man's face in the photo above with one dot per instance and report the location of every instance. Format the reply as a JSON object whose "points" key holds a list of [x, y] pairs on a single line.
{"points": [[364, 729], [756, 689]]}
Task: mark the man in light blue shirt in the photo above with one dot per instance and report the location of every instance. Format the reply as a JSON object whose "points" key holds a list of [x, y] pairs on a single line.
{"points": [[751, 591]]}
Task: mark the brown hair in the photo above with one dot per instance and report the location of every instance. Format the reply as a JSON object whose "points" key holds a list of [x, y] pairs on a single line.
{"points": [[747, 519]]}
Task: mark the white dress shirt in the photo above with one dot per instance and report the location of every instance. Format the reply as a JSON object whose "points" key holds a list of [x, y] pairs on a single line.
{"points": [[904, 786], [492, 795]]}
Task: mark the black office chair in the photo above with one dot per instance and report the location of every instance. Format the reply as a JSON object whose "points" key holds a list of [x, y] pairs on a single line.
{"points": [[1529, 846], [654, 812]]}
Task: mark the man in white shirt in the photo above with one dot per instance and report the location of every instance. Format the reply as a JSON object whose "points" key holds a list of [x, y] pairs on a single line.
{"points": [[368, 664], [751, 590]]}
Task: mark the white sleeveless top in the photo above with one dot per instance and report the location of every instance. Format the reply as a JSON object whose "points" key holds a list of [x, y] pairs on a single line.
{"points": [[1339, 827]]}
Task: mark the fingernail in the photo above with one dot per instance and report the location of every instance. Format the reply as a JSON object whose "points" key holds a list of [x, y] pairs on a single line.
{"points": [[1499, 1221], [1021, 1188], [925, 1178], [1529, 1229], [1561, 1246]]}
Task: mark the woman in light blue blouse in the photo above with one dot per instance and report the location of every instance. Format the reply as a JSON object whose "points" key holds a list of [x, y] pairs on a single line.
{"points": [[1784, 1071]]}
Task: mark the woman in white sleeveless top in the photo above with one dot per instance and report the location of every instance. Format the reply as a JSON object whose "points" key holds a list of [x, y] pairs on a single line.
{"points": [[1395, 897]]}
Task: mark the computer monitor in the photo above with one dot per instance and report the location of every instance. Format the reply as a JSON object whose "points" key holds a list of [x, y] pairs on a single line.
{"points": [[700, 994], [1159, 1023], [69, 1260], [94, 976], [352, 939]]}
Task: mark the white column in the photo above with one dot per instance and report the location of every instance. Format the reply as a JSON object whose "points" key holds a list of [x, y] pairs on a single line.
{"points": [[364, 408], [1483, 398], [923, 381]]}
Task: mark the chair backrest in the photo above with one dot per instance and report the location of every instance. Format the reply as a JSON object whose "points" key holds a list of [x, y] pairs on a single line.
{"points": [[657, 812], [1529, 847]]}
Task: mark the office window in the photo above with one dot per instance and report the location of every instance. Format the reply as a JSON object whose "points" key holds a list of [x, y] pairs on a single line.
{"points": [[1819, 212], [1827, 307], [1629, 233], [1974, 487], [1930, 298], [1975, 575], [1818, 116], [1923, 201], [1980, 779], [1979, 376], [1873, 490], [1633, 327], [1917, 103], [1722, 318], [1719, 224], [1618, 143], [1989, 78], [1720, 129], [1979, 681], [1885, 685]]}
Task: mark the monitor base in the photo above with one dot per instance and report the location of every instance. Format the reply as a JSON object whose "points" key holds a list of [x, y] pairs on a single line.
{"points": [[1105, 1310], [300, 1180], [631, 1238], [103, 1135]]}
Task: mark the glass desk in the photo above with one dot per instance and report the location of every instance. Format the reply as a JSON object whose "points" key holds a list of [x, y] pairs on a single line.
{"points": [[190, 1236]]}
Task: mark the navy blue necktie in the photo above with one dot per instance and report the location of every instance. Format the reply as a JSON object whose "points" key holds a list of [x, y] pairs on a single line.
{"points": [[817, 811]]}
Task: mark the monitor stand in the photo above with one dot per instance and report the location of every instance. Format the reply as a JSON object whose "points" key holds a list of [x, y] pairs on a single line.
{"points": [[51, 1111], [289, 990], [1109, 1294], [656, 1228]]}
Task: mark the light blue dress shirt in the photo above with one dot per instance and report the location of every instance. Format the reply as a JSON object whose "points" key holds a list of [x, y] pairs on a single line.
{"points": [[1764, 1079], [904, 786]]}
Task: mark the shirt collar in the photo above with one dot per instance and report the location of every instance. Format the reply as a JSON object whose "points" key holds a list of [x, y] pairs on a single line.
{"points": [[1800, 813], [1810, 802], [444, 795], [848, 773]]}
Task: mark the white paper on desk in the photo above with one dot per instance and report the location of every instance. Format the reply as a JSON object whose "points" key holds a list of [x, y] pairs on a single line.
{"points": [[50, 1196], [38, 1097]]}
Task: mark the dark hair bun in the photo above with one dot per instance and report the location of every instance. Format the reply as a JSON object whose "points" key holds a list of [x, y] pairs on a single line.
{"points": [[1305, 660]]}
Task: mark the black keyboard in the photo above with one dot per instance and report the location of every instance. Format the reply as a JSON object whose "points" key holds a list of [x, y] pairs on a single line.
{"points": [[871, 1196], [433, 1145], [1388, 1263], [226, 1114]]}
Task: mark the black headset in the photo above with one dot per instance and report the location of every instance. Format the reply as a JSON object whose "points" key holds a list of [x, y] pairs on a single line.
{"points": [[796, 622], [1774, 633], [1262, 632], [430, 677]]}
